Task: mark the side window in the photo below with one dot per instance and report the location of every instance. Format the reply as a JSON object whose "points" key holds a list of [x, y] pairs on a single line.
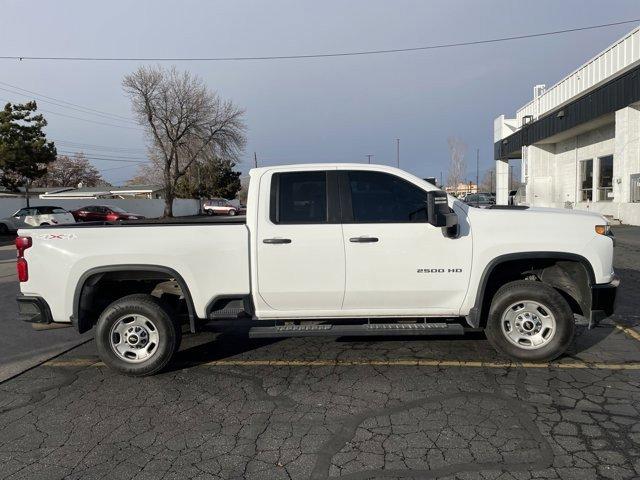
{"points": [[299, 197], [378, 197]]}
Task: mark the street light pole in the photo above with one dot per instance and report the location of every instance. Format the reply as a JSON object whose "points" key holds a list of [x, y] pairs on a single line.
{"points": [[369, 157], [477, 170], [398, 152]]}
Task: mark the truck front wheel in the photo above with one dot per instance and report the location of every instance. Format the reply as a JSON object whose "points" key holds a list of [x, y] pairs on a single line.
{"points": [[530, 321], [137, 336]]}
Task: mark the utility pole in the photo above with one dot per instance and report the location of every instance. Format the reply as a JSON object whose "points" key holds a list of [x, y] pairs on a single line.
{"points": [[491, 184], [369, 157], [398, 152], [255, 159], [441, 183], [26, 191], [477, 170]]}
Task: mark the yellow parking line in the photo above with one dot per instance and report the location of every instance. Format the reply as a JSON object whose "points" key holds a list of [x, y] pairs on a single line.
{"points": [[79, 362], [630, 332]]}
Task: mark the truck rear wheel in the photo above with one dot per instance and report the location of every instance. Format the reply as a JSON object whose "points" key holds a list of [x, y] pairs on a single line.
{"points": [[137, 336], [530, 321]]}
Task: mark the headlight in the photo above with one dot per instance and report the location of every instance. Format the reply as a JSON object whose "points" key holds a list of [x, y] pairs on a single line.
{"points": [[606, 231]]}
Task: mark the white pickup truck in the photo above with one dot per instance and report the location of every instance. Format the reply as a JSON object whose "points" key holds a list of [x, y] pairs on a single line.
{"points": [[325, 249]]}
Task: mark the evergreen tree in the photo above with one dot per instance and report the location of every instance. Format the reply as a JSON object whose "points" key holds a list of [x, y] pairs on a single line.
{"points": [[24, 149]]}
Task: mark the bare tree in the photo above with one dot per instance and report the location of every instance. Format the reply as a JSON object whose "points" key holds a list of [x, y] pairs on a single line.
{"points": [[457, 164], [70, 171], [488, 181], [183, 119]]}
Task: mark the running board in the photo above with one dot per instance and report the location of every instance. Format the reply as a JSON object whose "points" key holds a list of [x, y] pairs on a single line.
{"points": [[381, 329]]}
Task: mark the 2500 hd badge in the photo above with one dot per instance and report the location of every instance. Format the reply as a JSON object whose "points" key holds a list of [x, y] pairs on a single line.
{"points": [[439, 270]]}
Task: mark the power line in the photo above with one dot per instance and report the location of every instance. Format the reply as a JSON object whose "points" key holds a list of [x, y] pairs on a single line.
{"points": [[87, 120], [101, 156], [318, 55], [91, 146], [71, 105], [61, 105], [115, 168]]}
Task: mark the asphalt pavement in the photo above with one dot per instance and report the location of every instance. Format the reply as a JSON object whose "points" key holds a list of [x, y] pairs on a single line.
{"points": [[351, 409]]}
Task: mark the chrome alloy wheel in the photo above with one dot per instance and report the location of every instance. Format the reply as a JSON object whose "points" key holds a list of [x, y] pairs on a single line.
{"points": [[134, 338], [528, 324]]}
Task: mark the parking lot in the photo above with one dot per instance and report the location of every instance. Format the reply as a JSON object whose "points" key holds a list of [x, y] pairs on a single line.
{"points": [[324, 408]]}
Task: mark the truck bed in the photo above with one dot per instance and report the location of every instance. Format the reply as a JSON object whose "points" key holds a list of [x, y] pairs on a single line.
{"points": [[211, 256], [149, 222]]}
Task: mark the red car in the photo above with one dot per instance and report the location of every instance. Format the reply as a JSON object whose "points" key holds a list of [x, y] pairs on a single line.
{"points": [[103, 213]]}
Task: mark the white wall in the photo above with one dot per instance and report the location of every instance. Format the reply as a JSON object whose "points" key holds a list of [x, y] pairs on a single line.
{"points": [[151, 208], [554, 169]]}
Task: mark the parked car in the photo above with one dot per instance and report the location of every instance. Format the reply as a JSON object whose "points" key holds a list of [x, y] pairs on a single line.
{"points": [[35, 217], [220, 206], [344, 249], [104, 213], [481, 200]]}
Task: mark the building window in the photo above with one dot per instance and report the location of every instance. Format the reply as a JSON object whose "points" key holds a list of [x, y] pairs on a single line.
{"points": [[635, 187], [586, 180], [605, 181]]}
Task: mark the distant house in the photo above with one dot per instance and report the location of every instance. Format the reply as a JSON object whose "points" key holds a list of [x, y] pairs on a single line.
{"points": [[125, 192], [462, 189], [33, 192]]}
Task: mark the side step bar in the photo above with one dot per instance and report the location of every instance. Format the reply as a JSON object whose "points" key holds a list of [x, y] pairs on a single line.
{"points": [[380, 329]]}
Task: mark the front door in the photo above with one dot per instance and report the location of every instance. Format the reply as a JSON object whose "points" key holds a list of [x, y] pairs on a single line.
{"points": [[396, 262], [300, 251]]}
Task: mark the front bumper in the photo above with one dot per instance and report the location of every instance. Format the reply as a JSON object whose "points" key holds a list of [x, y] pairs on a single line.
{"points": [[33, 310], [603, 298]]}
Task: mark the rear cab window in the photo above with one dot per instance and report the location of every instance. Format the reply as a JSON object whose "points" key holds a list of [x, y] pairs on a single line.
{"points": [[299, 198]]}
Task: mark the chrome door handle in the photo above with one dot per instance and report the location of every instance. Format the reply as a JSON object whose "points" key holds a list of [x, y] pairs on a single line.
{"points": [[274, 241], [363, 239]]}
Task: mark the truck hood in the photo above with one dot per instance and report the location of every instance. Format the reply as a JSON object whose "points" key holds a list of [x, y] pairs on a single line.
{"points": [[565, 211]]}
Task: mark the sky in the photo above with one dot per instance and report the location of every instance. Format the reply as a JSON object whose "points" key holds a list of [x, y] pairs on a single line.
{"points": [[311, 110]]}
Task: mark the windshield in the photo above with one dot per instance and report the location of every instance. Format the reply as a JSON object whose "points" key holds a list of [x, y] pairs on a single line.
{"points": [[116, 209]]}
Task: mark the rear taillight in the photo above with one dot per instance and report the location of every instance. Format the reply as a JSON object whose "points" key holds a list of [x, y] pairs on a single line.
{"points": [[22, 243], [23, 270]]}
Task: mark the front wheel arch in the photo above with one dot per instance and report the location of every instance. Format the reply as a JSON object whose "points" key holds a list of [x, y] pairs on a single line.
{"points": [[515, 266]]}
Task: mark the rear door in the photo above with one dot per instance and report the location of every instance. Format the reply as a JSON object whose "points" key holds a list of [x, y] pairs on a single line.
{"points": [[300, 249], [396, 262]]}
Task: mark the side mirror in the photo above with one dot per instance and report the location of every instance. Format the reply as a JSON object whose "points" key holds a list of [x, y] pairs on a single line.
{"points": [[439, 214]]}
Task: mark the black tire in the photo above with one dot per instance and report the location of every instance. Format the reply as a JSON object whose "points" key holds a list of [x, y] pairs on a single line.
{"points": [[546, 296], [209, 212], [232, 213], [168, 329], [4, 230], [44, 224]]}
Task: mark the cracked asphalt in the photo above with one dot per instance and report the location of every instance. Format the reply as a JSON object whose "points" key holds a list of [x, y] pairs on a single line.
{"points": [[320, 408]]}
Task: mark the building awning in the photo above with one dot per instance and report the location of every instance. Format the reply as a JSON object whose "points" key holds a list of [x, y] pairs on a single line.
{"points": [[614, 95]]}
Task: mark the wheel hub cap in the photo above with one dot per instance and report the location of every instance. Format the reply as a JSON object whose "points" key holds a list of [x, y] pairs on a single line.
{"points": [[134, 338], [528, 324]]}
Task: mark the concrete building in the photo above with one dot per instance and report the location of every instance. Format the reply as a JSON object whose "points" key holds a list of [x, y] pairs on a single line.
{"points": [[462, 189], [579, 141]]}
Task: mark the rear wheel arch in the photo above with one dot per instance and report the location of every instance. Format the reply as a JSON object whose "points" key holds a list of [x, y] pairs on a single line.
{"points": [[550, 267], [92, 277]]}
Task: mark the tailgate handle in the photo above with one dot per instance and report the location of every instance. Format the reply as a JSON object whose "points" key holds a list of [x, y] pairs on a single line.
{"points": [[363, 239], [276, 240]]}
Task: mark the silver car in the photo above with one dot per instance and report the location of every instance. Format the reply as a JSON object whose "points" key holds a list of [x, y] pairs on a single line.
{"points": [[35, 217]]}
